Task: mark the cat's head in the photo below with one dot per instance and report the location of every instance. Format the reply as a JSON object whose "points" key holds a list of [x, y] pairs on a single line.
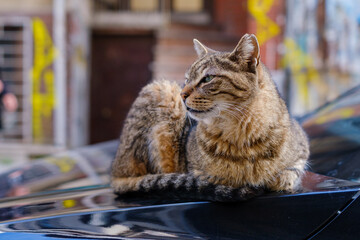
{"points": [[219, 82]]}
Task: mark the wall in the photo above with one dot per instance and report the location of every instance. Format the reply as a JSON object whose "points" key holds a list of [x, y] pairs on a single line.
{"points": [[25, 6]]}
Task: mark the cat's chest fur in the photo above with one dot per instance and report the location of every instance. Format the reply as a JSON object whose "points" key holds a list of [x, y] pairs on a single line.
{"points": [[228, 161]]}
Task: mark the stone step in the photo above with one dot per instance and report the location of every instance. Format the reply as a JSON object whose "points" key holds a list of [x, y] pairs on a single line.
{"points": [[187, 49], [209, 37], [196, 27], [178, 59]]}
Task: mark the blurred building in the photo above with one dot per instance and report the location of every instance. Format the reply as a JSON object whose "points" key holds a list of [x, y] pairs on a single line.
{"points": [[77, 65]]}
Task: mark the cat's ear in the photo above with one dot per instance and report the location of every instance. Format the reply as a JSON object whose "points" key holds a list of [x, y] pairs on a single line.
{"points": [[201, 49], [248, 50]]}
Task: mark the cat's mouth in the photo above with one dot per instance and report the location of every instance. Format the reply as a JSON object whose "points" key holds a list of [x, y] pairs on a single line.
{"points": [[197, 111]]}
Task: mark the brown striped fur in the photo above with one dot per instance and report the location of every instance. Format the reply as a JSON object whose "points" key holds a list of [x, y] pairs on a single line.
{"points": [[244, 138]]}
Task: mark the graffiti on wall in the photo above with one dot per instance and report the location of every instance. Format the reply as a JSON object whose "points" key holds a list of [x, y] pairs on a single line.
{"points": [[42, 75], [303, 70], [322, 51], [266, 28], [342, 33]]}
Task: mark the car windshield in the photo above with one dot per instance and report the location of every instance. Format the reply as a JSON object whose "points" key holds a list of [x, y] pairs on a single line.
{"points": [[334, 133]]}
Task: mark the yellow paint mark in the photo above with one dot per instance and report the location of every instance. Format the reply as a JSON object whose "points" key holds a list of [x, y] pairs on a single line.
{"points": [[69, 203], [65, 164], [303, 70], [42, 79], [340, 114], [266, 28]]}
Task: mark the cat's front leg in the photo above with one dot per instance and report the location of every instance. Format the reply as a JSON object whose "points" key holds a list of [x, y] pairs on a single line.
{"points": [[289, 180]]}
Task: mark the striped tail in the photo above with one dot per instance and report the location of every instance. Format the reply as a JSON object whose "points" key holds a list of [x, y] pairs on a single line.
{"points": [[181, 186]]}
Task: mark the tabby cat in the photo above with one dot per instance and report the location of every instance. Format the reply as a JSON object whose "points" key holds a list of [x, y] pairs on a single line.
{"points": [[238, 141]]}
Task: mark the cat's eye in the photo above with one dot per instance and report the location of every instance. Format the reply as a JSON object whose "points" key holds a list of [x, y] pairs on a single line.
{"points": [[208, 78]]}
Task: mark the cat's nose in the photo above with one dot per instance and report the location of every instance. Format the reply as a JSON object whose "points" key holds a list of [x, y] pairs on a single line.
{"points": [[186, 91], [184, 95]]}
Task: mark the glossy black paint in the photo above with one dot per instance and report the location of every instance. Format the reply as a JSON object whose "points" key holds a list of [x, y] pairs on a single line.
{"points": [[344, 225], [274, 216], [267, 217]]}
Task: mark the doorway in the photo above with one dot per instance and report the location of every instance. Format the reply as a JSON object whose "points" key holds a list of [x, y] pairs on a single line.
{"points": [[119, 69]]}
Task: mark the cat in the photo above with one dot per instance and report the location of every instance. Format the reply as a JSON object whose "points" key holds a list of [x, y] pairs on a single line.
{"points": [[225, 136]]}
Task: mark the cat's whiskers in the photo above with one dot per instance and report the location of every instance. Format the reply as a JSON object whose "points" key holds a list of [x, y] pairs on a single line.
{"points": [[218, 111], [247, 111], [215, 113], [229, 107], [228, 111], [245, 114]]}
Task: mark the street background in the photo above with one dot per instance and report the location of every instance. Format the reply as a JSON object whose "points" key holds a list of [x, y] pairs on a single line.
{"points": [[75, 67]]}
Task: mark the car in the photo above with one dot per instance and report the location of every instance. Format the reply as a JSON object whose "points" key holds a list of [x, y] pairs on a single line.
{"points": [[327, 207]]}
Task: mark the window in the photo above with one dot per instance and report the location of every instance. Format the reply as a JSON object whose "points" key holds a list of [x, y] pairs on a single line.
{"points": [[15, 63]]}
